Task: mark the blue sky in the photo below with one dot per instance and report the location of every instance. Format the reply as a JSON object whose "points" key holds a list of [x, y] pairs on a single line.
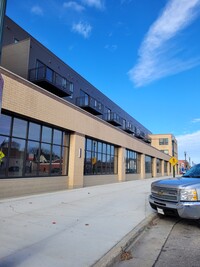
{"points": [[142, 54]]}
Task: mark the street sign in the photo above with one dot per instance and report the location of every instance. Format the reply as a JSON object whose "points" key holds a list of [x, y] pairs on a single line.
{"points": [[1, 155], [173, 161]]}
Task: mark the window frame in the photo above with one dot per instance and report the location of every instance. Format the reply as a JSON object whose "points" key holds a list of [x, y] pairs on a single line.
{"points": [[22, 161], [101, 158]]}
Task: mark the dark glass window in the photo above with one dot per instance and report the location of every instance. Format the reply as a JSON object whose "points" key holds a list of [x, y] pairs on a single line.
{"points": [[49, 74], [4, 147], [45, 159], [56, 160], [5, 124], [148, 164], [19, 128], [34, 131], [32, 158], [165, 166], [57, 137], [158, 165], [16, 157], [100, 157], [46, 134], [132, 162], [163, 141], [31, 149]]}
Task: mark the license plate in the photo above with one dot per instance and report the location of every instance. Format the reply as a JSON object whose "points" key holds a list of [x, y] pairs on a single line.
{"points": [[160, 211]]}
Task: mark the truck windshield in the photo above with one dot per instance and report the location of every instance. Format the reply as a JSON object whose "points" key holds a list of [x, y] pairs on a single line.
{"points": [[193, 172]]}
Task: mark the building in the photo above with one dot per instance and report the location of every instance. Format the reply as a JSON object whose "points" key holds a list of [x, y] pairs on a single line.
{"points": [[166, 143], [57, 131], [184, 165]]}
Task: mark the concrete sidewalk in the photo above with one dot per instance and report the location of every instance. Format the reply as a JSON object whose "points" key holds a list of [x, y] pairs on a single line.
{"points": [[74, 228]]}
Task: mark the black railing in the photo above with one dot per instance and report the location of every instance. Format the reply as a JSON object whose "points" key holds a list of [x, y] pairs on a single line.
{"points": [[139, 134], [44, 76], [128, 128], [90, 104], [113, 118]]}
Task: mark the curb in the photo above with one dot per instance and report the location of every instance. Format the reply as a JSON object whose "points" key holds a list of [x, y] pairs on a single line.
{"points": [[111, 256]]}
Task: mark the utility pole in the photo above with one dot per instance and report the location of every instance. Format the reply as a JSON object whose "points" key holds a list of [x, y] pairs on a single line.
{"points": [[174, 172], [2, 15], [185, 153]]}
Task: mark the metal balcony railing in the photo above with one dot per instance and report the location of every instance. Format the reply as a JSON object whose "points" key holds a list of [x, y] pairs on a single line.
{"points": [[128, 128], [50, 80], [90, 104], [113, 118]]}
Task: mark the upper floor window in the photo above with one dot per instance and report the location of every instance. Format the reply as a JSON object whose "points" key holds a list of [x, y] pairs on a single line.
{"points": [[166, 151], [163, 141], [71, 89], [16, 40], [124, 123], [108, 113], [84, 98]]}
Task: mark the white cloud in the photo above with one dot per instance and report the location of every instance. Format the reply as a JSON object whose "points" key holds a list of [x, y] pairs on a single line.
{"points": [[156, 56], [73, 5], [99, 4], [82, 28], [37, 10], [195, 120], [189, 143]]}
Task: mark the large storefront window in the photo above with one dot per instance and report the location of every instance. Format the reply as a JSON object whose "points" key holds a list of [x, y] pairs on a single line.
{"points": [[132, 162], [100, 158], [165, 166], [29, 149], [148, 164], [158, 166]]}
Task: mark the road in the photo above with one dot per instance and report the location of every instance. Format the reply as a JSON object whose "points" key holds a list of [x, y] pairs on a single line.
{"points": [[166, 242]]}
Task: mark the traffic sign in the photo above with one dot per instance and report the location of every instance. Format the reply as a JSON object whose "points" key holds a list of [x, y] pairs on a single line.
{"points": [[173, 161], [1, 155]]}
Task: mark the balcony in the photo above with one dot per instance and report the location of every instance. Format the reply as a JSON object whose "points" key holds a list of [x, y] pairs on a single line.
{"points": [[128, 128], [90, 104], [50, 80], [113, 119], [147, 139], [139, 134]]}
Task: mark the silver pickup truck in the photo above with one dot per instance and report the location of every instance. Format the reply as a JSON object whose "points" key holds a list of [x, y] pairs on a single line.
{"points": [[178, 196]]}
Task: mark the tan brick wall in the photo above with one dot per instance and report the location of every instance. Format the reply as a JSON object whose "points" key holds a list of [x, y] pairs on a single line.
{"points": [[29, 100], [91, 180], [26, 186]]}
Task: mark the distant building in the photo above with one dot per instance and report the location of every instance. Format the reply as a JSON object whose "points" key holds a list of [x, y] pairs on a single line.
{"points": [[184, 165], [57, 131], [166, 143]]}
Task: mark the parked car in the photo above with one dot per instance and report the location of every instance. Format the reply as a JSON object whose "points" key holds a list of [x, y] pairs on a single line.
{"points": [[13, 169], [178, 196]]}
